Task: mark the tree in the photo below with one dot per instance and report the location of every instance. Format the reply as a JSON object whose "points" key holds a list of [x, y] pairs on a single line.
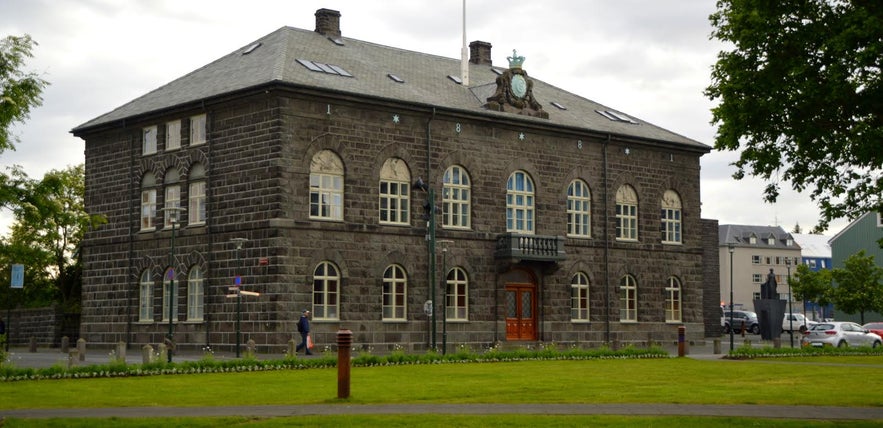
{"points": [[797, 228], [801, 95], [813, 286], [50, 222], [858, 285], [20, 90]]}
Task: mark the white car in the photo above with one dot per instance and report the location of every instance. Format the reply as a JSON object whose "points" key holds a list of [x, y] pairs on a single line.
{"points": [[840, 334], [797, 321]]}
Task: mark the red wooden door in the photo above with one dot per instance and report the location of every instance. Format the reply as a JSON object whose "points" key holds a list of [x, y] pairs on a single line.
{"points": [[521, 311]]}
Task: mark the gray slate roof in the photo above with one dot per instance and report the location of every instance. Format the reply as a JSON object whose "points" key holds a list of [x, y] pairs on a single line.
{"points": [[426, 83], [741, 234]]}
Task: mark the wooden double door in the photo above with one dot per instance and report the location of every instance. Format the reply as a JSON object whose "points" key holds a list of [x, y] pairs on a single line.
{"points": [[521, 312]]}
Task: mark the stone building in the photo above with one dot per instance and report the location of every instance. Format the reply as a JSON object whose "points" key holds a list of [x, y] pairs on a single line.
{"points": [[346, 177]]}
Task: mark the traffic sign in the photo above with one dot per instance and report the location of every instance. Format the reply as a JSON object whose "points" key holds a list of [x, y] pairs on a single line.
{"points": [[18, 276]]}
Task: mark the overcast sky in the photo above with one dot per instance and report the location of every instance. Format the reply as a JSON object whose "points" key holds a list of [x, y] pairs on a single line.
{"points": [[649, 59]]}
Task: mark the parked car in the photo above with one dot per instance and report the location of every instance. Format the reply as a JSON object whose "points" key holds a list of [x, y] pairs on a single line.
{"points": [[740, 318], [874, 327], [798, 321], [840, 334]]}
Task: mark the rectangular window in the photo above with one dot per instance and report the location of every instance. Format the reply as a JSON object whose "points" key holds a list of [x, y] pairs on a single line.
{"points": [[755, 260], [197, 130], [326, 196], [195, 297], [148, 209], [394, 202], [626, 222], [148, 141], [579, 302], [757, 278], [197, 204], [145, 301], [457, 303], [671, 225], [173, 135], [173, 205]]}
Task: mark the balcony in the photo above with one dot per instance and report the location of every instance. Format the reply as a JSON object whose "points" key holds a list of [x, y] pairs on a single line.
{"points": [[530, 248]]}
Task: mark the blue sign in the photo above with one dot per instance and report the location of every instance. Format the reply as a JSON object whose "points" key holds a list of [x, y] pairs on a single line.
{"points": [[237, 281], [18, 276]]}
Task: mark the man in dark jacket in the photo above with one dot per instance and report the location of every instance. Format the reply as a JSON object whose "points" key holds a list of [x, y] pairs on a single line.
{"points": [[303, 327]]}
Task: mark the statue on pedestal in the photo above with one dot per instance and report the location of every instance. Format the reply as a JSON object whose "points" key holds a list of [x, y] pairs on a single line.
{"points": [[768, 289]]}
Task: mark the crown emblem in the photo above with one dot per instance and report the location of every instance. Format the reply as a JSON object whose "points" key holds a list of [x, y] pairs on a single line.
{"points": [[515, 61]]}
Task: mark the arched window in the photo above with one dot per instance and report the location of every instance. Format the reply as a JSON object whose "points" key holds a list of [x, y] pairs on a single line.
{"points": [[520, 203], [457, 295], [670, 218], [395, 293], [628, 299], [626, 213], [173, 198], [170, 294], [456, 198], [148, 201], [326, 291], [579, 203], [326, 186], [395, 185], [196, 195], [145, 297], [673, 300], [579, 297], [195, 295]]}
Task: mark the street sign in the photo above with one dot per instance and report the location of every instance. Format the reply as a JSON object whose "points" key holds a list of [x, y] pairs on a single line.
{"points": [[238, 280], [18, 276]]}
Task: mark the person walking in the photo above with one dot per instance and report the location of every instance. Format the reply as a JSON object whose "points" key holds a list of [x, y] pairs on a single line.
{"points": [[303, 327]]}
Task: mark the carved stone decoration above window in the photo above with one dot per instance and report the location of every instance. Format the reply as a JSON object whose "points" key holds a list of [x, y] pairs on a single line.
{"points": [[514, 92]]}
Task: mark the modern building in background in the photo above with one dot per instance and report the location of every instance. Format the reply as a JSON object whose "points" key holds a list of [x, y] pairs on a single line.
{"points": [[394, 195], [815, 253], [754, 251], [863, 234]]}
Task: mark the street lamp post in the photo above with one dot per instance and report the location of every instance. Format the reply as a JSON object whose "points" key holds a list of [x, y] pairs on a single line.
{"points": [[732, 248], [444, 302], [237, 282], [173, 213], [790, 310]]}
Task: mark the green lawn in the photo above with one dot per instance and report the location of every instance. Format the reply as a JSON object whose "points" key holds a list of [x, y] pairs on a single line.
{"points": [[830, 381]]}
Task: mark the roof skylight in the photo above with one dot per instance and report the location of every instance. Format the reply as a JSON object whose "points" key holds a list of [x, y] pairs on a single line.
{"points": [[559, 105], [252, 47], [616, 116], [395, 78], [324, 68], [455, 79]]}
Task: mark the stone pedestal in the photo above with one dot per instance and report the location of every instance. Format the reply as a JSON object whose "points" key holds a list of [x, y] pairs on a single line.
{"points": [[770, 313]]}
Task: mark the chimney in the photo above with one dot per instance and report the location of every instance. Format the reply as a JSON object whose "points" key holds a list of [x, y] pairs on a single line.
{"points": [[480, 53], [328, 23]]}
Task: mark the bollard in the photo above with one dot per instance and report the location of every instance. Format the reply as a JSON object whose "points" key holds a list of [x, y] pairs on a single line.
{"points": [[81, 348], [146, 354], [32, 347], [72, 358], [249, 348], [682, 345], [717, 346], [292, 348], [121, 352], [65, 344], [777, 343], [344, 345], [163, 351]]}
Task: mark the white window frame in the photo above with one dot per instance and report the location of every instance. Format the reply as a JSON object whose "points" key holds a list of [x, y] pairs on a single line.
{"points": [[148, 209], [456, 198], [148, 140], [173, 135], [457, 295], [580, 309], [394, 193], [520, 203], [579, 209], [195, 294], [172, 206], [673, 301], [670, 218], [395, 294], [626, 214], [326, 292], [326, 187], [628, 299], [145, 297], [197, 130], [197, 203]]}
